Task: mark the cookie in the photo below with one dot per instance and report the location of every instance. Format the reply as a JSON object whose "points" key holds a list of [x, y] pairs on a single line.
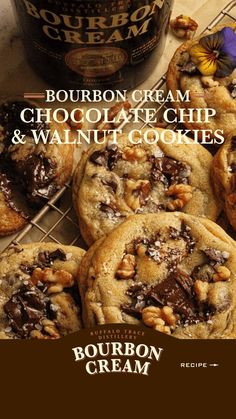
{"points": [[114, 181], [206, 90], [224, 176], [173, 272], [39, 296], [30, 173]]}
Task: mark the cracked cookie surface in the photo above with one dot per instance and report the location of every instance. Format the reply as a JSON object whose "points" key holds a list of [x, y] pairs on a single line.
{"points": [[116, 180], [173, 272]]}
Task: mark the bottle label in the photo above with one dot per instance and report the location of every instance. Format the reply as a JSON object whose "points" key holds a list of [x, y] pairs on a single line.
{"points": [[91, 39], [96, 62]]}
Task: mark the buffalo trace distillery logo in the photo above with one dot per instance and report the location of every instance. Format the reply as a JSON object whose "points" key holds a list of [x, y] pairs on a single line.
{"points": [[116, 356]]}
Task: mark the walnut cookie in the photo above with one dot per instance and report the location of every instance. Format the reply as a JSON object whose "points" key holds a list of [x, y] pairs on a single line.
{"points": [[173, 272], [30, 173], [223, 173], [39, 297], [214, 92], [113, 181]]}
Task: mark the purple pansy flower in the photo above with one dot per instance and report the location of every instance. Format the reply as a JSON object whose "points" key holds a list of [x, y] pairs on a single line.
{"points": [[215, 54]]}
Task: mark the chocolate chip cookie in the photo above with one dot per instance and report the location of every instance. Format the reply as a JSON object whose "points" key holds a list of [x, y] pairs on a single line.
{"points": [[30, 173], [116, 180], [173, 272], [39, 297], [224, 176], [206, 67]]}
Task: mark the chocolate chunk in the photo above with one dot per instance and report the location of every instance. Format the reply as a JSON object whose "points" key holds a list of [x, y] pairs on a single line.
{"points": [[46, 258], [175, 291], [189, 68], [111, 183], [37, 175], [203, 272], [107, 209], [169, 171], [99, 158], [185, 281], [216, 256], [172, 293], [57, 254], [107, 158], [43, 260], [28, 269], [131, 311], [26, 308]]}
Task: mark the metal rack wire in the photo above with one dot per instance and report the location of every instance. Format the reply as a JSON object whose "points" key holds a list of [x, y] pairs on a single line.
{"points": [[59, 210]]}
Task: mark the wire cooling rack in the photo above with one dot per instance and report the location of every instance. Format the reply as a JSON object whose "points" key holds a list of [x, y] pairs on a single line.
{"points": [[57, 219]]}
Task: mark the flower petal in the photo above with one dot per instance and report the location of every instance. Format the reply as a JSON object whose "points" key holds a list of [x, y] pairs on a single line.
{"points": [[225, 66], [212, 42], [208, 67], [229, 44], [198, 53]]}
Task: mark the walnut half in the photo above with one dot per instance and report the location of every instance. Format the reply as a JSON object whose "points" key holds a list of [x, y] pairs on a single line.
{"points": [[160, 319], [136, 193], [55, 281], [182, 193], [126, 268], [183, 27]]}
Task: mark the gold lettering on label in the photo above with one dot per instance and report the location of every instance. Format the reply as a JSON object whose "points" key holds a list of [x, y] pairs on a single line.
{"points": [[140, 13], [52, 33], [119, 20], [135, 31], [115, 37], [97, 22], [72, 37], [95, 37], [68, 21], [31, 9], [47, 15]]}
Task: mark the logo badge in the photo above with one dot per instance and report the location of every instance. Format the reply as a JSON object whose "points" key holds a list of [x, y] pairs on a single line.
{"points": [[96, 62]]}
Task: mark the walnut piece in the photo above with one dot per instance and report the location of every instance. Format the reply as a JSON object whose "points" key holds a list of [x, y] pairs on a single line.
{"points": [[183, 27], [134, 153], [222, 274], [208, 81], [55, 281], [49, 327], [141, 250], [219, 296], [183, 194], [201, 289], [126, 268], [136, 193], [160, 319]]}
